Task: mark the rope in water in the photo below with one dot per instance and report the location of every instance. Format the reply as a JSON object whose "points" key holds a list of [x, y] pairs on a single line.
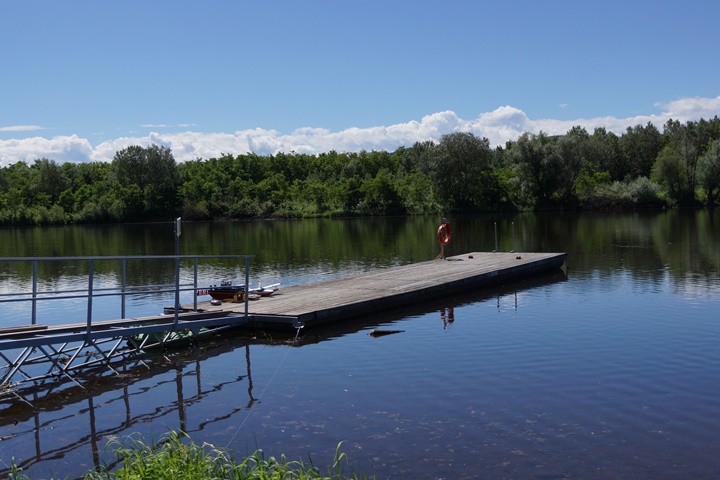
{"points": [[282, 362]]}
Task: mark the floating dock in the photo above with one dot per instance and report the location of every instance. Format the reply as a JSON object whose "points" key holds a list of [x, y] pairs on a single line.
{"points": [[37, 354], [320, 303]]}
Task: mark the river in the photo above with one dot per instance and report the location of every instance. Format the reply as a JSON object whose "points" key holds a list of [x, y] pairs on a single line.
{"points": [[607, 370]]}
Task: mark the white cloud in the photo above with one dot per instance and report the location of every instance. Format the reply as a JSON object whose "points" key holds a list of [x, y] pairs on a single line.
{"points": [[21, 128], [61, 149], [691, 108], [500, 125]]}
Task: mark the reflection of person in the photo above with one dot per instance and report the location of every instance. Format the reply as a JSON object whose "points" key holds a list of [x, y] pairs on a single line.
{"points": [[443, 235], [447, 318]]}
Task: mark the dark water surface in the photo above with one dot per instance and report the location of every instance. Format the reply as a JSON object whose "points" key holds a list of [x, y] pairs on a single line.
{"points": [[610, 371]]}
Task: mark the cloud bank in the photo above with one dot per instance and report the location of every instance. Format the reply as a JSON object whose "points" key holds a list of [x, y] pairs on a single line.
{"points": [[502, 124]]}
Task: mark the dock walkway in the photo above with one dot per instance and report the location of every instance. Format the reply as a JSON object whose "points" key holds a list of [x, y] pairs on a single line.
{"points": [[327, 301], [37, 354]]}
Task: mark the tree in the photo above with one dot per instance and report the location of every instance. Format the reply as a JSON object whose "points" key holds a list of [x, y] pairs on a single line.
{"points": [[575, 151], [49, 179], [669, 172], [17, 192], [416, 158], [537, 169], [154, 171], [381, 195], [709, 172], [686, 143], [462, 173], [640, 147], [605, 154]]}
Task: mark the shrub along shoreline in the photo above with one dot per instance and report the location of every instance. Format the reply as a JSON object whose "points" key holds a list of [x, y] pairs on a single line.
{"points": [[174, 457]]}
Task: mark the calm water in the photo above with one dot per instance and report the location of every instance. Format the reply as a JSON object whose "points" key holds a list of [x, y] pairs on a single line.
{"points": [[610, 371]]}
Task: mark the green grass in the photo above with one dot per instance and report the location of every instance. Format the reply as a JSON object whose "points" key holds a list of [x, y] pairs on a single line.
{"points": [[172, 458]]}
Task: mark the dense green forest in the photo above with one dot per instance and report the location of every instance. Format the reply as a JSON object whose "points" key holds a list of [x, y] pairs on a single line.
{"points": [[461, 173]]}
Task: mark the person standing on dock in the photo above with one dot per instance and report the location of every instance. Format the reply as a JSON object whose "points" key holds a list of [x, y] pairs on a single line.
{"points": [[443, 235]]}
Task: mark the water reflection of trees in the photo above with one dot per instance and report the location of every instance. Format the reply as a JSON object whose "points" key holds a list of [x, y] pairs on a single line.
{"points": [[648, 245], [643, 243]]}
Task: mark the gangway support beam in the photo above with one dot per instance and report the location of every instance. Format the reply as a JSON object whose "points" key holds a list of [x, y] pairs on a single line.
{"points": [[67, 354]]}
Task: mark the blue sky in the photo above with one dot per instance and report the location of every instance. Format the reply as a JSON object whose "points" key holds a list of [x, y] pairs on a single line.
{"points": [[82, 79]]}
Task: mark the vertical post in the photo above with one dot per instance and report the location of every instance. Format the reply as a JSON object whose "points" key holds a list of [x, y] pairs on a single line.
{"points": [[513, 237], [91, 275], [247, 284], [177, 269], [34, 292], [195, 285], [124, 284], [496, 246]]}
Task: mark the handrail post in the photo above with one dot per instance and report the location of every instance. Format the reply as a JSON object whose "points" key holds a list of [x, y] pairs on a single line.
{"points": [[195, 284], [177, 289], [34, 292], [247, 285], [177, 269], [124, 284], [91, 275]]}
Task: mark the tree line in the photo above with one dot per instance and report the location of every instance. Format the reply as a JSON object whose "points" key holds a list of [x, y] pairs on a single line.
{"points": [[643, 167]]}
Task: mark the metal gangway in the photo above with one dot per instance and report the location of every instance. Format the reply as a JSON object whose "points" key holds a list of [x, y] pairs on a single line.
{"points": [[37, 354]]}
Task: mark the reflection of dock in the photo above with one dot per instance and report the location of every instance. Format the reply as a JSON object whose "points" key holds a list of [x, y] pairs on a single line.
{"points": [[158, 389], [325, 302], [506, 293], [43, 353]]}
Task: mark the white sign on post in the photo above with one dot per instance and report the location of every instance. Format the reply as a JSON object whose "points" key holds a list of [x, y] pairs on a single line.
{"points": [[177, 226]]}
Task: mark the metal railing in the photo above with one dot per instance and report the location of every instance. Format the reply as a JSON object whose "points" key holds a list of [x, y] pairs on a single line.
{"points": [[122, 290]]}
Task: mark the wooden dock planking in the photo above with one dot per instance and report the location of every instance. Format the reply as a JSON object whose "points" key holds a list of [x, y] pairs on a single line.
{"points": [[325, 301], [328, 300]]}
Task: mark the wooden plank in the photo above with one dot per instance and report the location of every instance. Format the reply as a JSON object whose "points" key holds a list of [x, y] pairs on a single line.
{"points": [[139, 321], [392, 287], [22, 329]]}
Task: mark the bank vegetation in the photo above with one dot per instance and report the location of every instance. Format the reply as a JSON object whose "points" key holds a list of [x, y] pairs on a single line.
{"points": [[462, 173], [176, 457]]}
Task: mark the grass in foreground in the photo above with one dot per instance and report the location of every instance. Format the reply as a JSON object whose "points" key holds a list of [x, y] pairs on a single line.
{"points": [[172, 459]]}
